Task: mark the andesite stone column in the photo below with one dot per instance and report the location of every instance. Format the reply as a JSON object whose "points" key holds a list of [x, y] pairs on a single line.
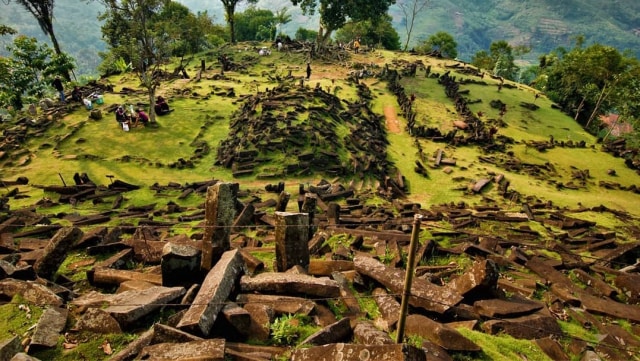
{"points": [[292, 237], [219, 213]]}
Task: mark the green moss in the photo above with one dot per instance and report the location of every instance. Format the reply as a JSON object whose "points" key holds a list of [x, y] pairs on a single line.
{"points": [[17, 317], [504, 347], [88, 347], [576, 330]]}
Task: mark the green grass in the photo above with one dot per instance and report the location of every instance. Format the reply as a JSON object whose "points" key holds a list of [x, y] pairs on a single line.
{"points": [[504, 347]]}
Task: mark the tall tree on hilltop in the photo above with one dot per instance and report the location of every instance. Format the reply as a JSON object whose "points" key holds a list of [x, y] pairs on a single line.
{"points": [[149, 46], [42, 10], [411, 9], [334, 14], [229, 13]]}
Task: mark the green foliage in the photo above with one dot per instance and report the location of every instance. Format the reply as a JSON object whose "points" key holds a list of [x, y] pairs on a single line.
{"points": [[289, 329], [255, 24], [303, 34], [187, 32], [380, 32], [591, 81], [26, 74], [440, 41], [334, 14], [499, 60], [229, 14]]}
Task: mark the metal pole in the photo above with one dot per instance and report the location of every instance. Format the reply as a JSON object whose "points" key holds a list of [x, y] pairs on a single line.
{"points": [[408, 279]]}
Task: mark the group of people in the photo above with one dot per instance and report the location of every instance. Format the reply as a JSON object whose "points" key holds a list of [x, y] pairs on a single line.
{"points": [[130, 118]]}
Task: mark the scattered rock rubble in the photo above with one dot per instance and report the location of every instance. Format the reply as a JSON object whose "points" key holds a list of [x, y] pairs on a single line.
{"points": [[512, 285]]}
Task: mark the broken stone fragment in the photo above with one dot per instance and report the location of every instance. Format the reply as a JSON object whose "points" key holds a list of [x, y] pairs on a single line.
{"points": [[204, 350], [56, 250], [336, 332], [440, 334], [98, 321], [49, 327], [353, 352], [130, 306], [32, 292], [287, 283], [180, 264], [213, 293]]}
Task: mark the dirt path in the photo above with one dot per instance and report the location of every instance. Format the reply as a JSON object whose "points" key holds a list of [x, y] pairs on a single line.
{"points": [[392, 120]]}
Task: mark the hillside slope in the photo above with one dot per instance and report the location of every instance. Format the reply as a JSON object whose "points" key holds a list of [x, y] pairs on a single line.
{"points": [[524, 217]]}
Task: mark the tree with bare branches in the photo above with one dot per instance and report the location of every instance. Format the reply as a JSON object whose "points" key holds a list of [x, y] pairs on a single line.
{"points": [[411, 9]]}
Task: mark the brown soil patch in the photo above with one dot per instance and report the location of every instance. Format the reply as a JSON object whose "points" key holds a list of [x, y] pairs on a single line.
{"points": [[392, 119]]}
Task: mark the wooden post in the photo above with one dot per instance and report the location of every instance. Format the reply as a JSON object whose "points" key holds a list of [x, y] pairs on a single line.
{"points": [[404, 306]]}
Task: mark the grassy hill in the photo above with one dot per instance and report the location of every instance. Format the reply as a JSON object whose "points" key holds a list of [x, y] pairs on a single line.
{"points": [[568, 174]]}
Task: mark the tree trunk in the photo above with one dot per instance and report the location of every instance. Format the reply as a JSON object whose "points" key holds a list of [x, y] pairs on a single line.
{"points": [[600, 98], [229, 11], [56, 46], [152, 104], [579, 109]]}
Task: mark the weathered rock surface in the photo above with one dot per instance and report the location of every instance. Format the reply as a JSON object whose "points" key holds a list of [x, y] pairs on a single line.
{"points": [[130, 306], [49, 327], [213, 293], [205, 350], [423, 293], [353, 352], [291, 284], [438, 333]]}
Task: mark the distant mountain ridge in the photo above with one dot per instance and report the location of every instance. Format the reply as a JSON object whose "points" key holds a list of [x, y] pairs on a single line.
{"points": [[542, 24]]}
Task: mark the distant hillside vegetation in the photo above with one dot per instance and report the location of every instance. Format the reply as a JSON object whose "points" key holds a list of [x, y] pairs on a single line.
{"points": [[542, 24]]}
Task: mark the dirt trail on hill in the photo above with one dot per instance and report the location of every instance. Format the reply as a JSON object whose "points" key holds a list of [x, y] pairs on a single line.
{"points": [[392, 120]]}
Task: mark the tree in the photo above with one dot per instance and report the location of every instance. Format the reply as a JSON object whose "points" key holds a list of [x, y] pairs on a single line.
{"points": [[303, 34], [254, 24], [229, 14], [411, 9], [148, 46], [186, 31], [482, 60], [380, 32], [282, 18], [334, 14], [442, 42], [26, 74], [499, 60], [503, 60], [42, 10]]}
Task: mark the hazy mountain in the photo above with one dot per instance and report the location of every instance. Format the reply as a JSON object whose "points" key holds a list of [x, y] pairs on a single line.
{"points": [[542, 24]]}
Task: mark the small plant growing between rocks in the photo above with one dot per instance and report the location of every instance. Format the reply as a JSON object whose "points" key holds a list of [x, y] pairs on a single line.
{"points": [[289, 329]]}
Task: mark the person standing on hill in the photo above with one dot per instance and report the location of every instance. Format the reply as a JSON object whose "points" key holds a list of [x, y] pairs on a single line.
{"points": [[356, 45], [308, 70], [57, 84]]}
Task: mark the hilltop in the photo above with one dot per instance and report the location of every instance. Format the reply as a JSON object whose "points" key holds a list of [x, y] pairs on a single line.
{"points": [[544, 25], [529, 228]]}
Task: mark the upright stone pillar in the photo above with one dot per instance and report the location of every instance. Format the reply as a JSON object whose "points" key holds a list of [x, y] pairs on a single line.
{"points": [[219, 213], [292, 237], [309, 207], [333, 214]]}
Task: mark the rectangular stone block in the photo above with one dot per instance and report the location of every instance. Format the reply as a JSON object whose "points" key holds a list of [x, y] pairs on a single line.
{"points": [[213, 293]]}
